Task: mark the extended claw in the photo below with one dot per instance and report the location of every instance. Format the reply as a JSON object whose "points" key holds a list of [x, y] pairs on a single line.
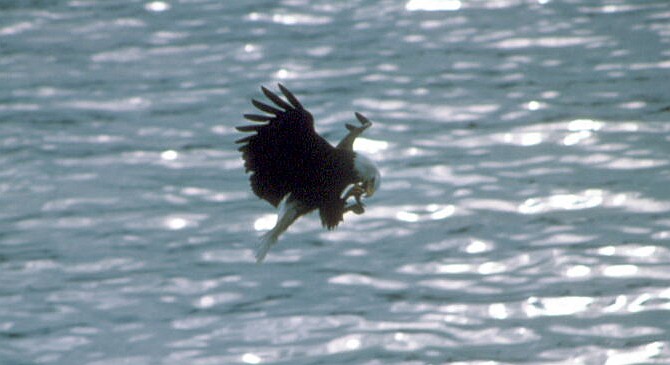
{"points": [[357, 208], [356, 191]]}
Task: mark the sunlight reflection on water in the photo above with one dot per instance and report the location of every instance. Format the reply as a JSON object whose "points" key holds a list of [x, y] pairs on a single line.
{"points": [[593, 198], [433, 5]]}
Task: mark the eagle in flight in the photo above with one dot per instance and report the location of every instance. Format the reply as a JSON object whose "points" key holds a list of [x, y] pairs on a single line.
{"points": [[298, 171]]}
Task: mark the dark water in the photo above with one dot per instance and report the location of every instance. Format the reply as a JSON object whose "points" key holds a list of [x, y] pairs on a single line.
{"points": [[523, 217]]}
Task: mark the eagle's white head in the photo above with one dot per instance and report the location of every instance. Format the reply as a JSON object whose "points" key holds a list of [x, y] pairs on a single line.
{"points": [[367, 173]]}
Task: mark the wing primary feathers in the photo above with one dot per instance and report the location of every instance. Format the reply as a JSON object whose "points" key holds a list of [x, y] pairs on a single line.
{"points": [[347, 142], [264, 107], [245, 139], [257, 117], [361, 118], [276, 99], [248, 128], [291, 98]]}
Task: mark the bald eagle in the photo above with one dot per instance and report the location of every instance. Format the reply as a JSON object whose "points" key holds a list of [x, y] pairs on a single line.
{"points": [[298, 171]]}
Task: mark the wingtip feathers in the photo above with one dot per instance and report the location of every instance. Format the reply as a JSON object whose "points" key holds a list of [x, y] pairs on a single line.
{"points": [[289, 95], [276, 99], [361, 118], [264, 107]]}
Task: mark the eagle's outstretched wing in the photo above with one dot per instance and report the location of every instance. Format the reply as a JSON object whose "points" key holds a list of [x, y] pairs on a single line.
{"points": [[347, 142], [283, 148]]}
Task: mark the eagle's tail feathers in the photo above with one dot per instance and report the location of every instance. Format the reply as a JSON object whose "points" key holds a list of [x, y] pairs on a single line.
{"points": [[289, 211], [266, 242]]}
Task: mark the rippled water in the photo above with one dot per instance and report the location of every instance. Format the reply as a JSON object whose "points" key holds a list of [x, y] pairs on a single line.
{"points": [[523, 218]]}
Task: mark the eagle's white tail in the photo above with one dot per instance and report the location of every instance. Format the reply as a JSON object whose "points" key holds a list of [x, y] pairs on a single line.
{"points": [[265, 243], [289, 211]]}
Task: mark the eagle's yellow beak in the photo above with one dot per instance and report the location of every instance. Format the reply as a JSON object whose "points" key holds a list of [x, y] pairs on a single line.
{"points": [[370, 188]]}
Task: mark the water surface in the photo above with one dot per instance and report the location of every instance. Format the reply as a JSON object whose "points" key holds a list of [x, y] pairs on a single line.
{"points": [[523, 216]]}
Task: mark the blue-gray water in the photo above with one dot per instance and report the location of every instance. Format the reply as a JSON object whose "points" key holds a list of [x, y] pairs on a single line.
{"points": [[524, 215]]}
